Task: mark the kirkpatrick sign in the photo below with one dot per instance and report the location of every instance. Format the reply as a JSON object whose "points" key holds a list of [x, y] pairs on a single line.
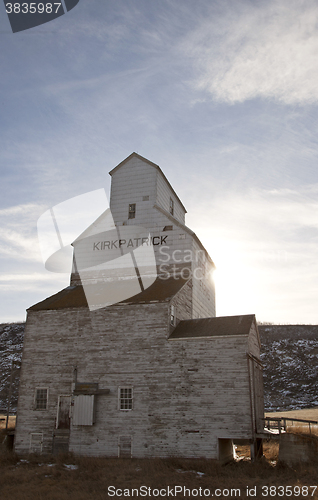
{"points": [[130, 243]]}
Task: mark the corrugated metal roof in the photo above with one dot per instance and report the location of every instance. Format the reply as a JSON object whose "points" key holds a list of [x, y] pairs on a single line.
{"points": [[74, 296], [213, 327]]}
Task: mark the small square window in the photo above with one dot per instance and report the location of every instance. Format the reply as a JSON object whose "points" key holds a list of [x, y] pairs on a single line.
{"points": [[41, 397], [132, 211], [171, 209], [125, 398]]}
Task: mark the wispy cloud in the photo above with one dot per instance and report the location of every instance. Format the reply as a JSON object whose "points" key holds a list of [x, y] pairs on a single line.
{"points": [[33, 282], [258, 49], [18, 237], [23, 279]]}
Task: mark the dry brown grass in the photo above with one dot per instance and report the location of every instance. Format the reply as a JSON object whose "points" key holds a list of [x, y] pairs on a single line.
{"points": [[300, 428], [38, 479], [270, 450], [305, 414], [11, 422]]}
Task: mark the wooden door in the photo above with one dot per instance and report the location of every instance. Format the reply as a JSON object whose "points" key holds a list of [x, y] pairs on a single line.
{"points": [[63, 412]]}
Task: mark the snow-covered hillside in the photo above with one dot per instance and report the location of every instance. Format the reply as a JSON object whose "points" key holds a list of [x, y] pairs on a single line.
{"points": [[11, 342], [290, 358], [289, 355]]}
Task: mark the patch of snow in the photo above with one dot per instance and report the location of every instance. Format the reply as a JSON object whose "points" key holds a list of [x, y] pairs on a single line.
{"points": [[200, 474], [71, 467]]}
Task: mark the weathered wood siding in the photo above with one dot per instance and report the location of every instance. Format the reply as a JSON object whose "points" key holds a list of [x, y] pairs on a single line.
{"points": [[203, 305], [182, 302], [256, 373], [132, 182], [138, 181], [254, 343], [175, 252], [164, 193], [186, 393]]}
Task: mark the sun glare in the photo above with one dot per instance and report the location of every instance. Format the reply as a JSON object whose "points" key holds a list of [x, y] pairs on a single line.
{"points": [[234, 284]]}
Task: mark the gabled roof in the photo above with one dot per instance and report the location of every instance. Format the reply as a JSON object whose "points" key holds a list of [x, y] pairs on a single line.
{"points": [[74, 296], [222, 326], [136, 155]]}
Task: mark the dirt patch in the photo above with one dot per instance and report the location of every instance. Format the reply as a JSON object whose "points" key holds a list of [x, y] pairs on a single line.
{"points": [[71, 478]]}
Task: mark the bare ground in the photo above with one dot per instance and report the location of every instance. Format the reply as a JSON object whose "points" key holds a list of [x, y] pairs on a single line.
{"points": [[49, 478], [75, 478]]}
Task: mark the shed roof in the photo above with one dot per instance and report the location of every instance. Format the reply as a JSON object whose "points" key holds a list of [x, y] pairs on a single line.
{"points": [[221, 326], [74, 296]]}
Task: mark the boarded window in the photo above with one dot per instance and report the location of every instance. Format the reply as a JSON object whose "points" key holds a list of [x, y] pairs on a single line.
{"points": [[171, 208], [125, 398], [83, 410], [145, 198], [41, 397], [124, 446], [36, 442], [132, 211]]}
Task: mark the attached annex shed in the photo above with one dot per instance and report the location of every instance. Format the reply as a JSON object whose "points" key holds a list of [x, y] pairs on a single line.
{"points": [[155, 374]]}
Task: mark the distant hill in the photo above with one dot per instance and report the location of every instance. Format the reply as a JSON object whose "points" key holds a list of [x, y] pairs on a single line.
{"points": [[290, 358], [11, 343], [289, 355]]}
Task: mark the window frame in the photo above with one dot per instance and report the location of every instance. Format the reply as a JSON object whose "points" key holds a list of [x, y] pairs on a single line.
{"points": [[38, 400], [132, 211], [122, 398]]}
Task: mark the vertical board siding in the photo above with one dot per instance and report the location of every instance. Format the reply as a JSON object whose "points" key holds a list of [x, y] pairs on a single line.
{"points": [[130, 184], [164, 193]]}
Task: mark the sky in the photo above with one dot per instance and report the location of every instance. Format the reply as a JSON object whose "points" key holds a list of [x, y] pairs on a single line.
{"points": [[221, 94]]}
